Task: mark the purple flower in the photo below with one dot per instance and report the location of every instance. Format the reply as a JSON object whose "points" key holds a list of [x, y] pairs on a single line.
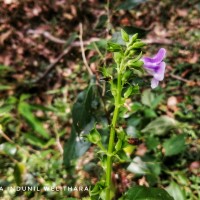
{"points": [[155, 67]]}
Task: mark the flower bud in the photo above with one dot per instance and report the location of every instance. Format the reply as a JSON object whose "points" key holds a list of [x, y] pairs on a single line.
{"points": [[125, 36], [136, 64], [133, 39], [114, 47], [138, 45], [94, 136]]}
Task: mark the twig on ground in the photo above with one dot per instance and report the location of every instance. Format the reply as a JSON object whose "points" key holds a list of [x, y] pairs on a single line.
{"points": [[52, 38], [52, 65], [179, 78], [189, 82], [58, 143], [158, 41], [11, 141], [80, 43], [6, 137], [83, 50]]}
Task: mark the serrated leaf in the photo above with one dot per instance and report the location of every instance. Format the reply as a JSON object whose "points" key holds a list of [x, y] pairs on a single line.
{"points": [[144, 193], [160, 126], [174, 145]]}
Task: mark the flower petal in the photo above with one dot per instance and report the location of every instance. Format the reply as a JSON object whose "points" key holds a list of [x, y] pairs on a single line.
{"points": [[159, 75], [154, 83], [160, 55], [157, 58], [151, 66]]}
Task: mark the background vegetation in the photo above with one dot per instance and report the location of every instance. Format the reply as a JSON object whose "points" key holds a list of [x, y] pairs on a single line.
{"points": [[46, 49]]}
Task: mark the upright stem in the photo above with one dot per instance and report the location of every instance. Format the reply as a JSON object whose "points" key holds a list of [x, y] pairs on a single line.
{"points": [[112, 136]]}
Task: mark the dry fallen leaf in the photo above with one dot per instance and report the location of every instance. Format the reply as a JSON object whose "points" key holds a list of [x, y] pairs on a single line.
{"points": [[182, 12], [172, 103], [194, 58], [195, 167], [143, 182], [9, 1], [141, 150], [5, 36]]}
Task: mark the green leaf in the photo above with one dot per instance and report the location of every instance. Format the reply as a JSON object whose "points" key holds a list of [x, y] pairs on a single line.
{"points": [[9, 149], [94, 136], [149, 113], [4, 68], [83, 121], [136, 89], [26, 112], [101, 22], [137, 57], [152, 142], [106, 72], [6, 108], [147, 97], [118, 57], [150, 99], [124, 35], [74, 148], [133, 38], [97, 189], [131, 90], [160, 126], [144, 193], [133, 33], [118, 145], [34, 140], [5, 87], [114, 47], [128, 92], [174, 145], [129, 4], [138, 166], [19, 171], [138, 45], [135, 64], [121, 156], [175, 191], [83, 107], [101, 45]]}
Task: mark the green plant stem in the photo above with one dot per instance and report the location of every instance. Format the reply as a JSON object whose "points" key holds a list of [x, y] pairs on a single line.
{"points": [[112, 136]]}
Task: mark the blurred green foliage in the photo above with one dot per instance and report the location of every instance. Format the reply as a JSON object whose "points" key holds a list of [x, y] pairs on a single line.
{"points": [[39, 144]]}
